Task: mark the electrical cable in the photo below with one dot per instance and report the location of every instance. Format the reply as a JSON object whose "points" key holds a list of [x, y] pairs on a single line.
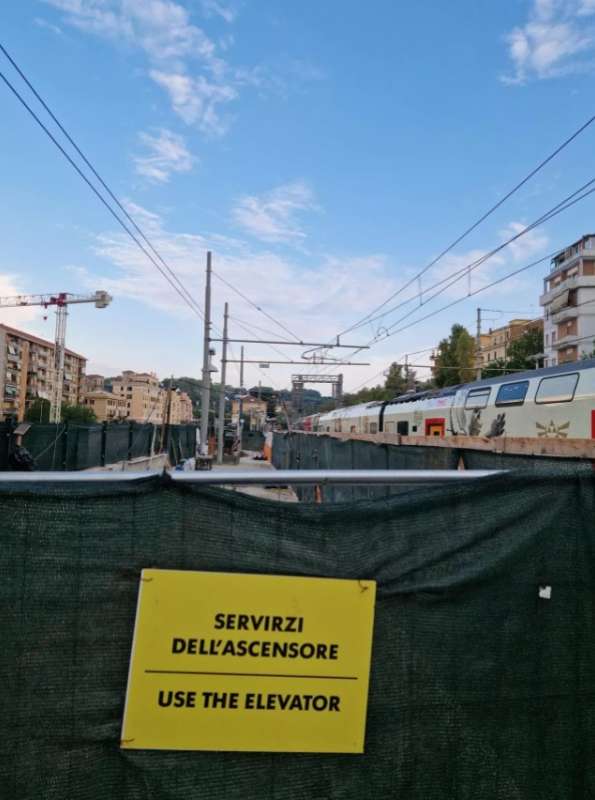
{"points": [[257, 307], [457, 275], [180, 288], [484, 216]]}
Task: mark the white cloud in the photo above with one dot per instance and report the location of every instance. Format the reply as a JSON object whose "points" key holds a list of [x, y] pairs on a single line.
{"points": [[214, 8], [273, 216], [161, 28], [312, 299], [554, 41], [183, 59], [43, 23], [196, 100], [167, 153]]}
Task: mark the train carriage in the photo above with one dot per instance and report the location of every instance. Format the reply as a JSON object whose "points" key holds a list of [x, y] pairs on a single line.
{"points": [[556, 402]]}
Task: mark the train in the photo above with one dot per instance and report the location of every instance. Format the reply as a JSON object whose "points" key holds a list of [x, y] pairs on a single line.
{"points": [[554, 402]]}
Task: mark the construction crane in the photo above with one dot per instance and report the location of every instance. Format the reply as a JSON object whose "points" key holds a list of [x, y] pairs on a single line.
{"points": [[61, 300]]}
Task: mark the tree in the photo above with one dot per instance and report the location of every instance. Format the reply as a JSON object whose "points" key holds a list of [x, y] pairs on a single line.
{"points": [[454, 362], [38, 411], [520, 350], [80, 415], [396, 382], [518, 355]]}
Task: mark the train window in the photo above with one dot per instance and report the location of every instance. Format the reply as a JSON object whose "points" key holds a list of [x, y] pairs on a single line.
{"points": [[403, 428], [557, 389], [373, 427], [512, 394], [477, 398]]}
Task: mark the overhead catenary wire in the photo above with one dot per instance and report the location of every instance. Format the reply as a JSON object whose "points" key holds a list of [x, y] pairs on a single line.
{"points": [[459, 274], [458, 300], [167, 272], [257, 307], [476, 224]]}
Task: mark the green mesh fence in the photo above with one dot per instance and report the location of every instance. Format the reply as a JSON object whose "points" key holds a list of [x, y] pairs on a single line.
{"points": [[77, 447], [252, 440], [482, 684], [306, 451]]}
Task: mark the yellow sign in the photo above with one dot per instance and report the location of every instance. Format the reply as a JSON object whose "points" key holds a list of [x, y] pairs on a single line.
{"points": [[249, 662]]}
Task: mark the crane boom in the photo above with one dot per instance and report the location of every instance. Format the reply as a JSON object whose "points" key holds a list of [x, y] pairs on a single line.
{"points": [[100, 298], [61, 300]]}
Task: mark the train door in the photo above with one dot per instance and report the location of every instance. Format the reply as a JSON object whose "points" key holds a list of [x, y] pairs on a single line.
{"points": [[435, 426]]}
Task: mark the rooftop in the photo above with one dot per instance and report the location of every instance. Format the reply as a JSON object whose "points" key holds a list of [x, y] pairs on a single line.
{"points": [[37, 340]]}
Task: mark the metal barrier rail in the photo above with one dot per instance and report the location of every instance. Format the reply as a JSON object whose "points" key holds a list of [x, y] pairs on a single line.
{"points": [[279, 477]]}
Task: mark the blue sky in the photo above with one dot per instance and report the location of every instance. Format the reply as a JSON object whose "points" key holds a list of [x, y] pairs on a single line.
{"points": [[324, 152]]}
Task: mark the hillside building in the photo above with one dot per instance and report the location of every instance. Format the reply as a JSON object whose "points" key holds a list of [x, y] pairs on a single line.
{"points": [[106, 406], [254, 412], [495, 343], [568, 302], [142, 395], [137, 397]]}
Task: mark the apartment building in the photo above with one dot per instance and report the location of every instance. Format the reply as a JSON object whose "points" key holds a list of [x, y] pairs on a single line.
{"points": [[495, 344], [106, 406], [254, 412], [27, 372], [181, 408], [144, 399], [568, 302], [93, 383]]}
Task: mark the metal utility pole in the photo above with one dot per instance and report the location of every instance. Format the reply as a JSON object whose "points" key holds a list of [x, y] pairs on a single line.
{"points": [[241, 399], [478, 347], [61, 300], [206, 372], [221, 420], [166, 417]]}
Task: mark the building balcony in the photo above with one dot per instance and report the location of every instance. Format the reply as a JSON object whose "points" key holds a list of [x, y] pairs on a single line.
{"points": [[576, 282], [570, 312], [567, 341]]}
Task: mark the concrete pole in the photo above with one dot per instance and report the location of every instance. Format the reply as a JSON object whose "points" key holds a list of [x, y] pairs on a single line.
{"points": [[206, 374], [241, 402], [221, 420], [478, 347]]}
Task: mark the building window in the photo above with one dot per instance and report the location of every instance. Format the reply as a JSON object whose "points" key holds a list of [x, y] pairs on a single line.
{"points": [[477, 398], [557, 389], [512, 394], [547, 340]]}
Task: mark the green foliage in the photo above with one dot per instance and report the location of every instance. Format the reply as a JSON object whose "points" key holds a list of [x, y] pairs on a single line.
{"points": [[455, 358], [518, 355], [584, 356], [520, 350], [395, 384], [38, 411], [80, 415]]}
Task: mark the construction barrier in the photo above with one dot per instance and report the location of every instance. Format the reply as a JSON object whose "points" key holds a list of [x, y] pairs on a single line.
{"points": [[309, 451], [69, 446], [482, 682]]}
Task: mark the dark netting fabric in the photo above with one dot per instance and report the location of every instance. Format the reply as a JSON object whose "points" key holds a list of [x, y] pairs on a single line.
{"points": [[482, 683]]}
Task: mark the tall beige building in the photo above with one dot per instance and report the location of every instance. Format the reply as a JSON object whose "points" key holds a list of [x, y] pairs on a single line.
{"points": [[138, 397], [181, 408], [106, 406], [495, 344], [27, 372], [142, 394]]}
